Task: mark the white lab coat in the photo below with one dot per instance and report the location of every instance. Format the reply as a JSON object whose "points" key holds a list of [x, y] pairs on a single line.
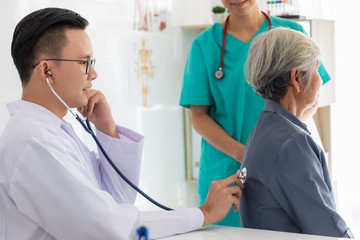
{"points": [[53, 187]]}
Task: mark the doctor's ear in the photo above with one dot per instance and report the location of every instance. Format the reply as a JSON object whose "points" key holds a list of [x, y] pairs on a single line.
{"points": [[43, 69]]}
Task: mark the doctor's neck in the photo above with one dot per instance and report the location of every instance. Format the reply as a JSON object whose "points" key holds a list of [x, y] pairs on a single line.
{"points": [[36, 91]]}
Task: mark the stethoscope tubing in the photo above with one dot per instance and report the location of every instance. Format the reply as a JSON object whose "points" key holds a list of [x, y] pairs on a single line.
{"points": [[88, 129]]}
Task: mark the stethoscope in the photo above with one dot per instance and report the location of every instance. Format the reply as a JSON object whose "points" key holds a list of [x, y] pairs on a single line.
{"points": [[242, 175], [219, 74], [86, 125]]}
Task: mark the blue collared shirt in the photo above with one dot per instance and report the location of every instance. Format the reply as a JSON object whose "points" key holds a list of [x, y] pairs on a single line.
{"points": [[288, 187]]}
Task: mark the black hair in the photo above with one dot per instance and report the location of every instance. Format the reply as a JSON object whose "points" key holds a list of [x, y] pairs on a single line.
{"points": [[42, 31]]}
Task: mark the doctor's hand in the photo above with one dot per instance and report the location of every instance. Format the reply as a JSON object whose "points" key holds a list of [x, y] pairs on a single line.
{"points": [[221, 197], [99, 113]]}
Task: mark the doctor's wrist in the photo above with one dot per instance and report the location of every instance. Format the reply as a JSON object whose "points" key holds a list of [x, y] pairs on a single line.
{"points": [[206, 213], [109, 129]]}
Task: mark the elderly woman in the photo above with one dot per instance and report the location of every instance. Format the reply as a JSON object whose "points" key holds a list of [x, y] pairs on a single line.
{"points": [[288, 187]]}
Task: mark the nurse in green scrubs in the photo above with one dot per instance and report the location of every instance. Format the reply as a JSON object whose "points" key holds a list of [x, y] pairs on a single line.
{"points": [[224, 111]]}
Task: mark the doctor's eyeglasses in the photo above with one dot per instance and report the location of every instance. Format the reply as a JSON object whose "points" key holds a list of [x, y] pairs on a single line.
{"points": [[89, 62]]}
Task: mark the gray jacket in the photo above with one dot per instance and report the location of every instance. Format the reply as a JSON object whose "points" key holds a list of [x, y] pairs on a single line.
{"points": [[288, 187]]}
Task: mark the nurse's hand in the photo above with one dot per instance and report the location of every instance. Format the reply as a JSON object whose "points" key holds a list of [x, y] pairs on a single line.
{"points": [[221, 197], [99, 113]]}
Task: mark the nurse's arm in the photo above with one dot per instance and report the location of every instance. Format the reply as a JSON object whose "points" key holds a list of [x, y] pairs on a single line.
{"points": [[214, 134]]}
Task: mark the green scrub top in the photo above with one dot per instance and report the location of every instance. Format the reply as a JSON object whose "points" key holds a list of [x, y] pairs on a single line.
{"points": [[233, 102]]}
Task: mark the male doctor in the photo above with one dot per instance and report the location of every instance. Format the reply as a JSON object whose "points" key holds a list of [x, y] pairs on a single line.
{"points": [[51, 185]]}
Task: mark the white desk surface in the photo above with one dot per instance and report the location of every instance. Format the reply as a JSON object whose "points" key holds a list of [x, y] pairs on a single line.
{"points": [[233, 233]]}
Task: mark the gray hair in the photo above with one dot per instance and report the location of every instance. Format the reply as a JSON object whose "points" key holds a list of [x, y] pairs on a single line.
{"points": [[273, 55]]}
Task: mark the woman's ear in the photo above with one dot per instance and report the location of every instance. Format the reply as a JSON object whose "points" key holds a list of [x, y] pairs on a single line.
{"points": [[295, 79]]}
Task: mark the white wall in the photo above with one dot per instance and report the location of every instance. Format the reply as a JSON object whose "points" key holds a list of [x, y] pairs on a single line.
{"points": [[10, 84], [346, 113]]}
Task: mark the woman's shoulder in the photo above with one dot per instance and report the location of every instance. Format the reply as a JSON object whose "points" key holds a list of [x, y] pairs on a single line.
{"points": [[300, 141], [281, 129]]}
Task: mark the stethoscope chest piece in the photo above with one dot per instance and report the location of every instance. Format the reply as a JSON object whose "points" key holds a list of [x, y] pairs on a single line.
{"points": [[219, 74], [242, 175]]}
